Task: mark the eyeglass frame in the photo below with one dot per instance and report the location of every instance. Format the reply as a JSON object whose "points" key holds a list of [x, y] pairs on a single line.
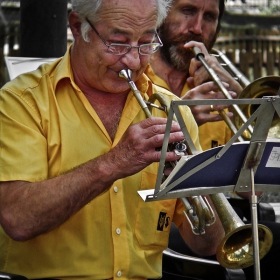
{"points": [[129, 47]]}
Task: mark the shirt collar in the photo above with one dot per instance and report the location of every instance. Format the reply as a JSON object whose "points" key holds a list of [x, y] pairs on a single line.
{"points": [[64, 70], [160, 82]]}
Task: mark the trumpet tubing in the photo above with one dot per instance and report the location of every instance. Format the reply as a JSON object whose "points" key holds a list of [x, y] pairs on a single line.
{"points": [[265, 86], [197, 213], [226, 63], [200, 56], [126, 74]]}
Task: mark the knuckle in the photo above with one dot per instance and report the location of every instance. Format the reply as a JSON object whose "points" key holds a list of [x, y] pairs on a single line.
{"points": [[157, 156], [155, 129], [195, 110], [157, 140], [149, 122]]}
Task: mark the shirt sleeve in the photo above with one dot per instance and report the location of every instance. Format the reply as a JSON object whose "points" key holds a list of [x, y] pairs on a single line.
{"points": [[23, 149]]}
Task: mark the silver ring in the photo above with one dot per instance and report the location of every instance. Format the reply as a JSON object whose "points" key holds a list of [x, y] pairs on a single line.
{"points": [[212, 108]]}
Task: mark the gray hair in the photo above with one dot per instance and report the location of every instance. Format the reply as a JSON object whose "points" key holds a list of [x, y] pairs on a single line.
{"points": [[89, 9]]}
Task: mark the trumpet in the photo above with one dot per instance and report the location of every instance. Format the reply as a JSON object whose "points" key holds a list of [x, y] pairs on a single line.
{"points": [[200, 56], [265, 86], [198, 210], [235, 249]]}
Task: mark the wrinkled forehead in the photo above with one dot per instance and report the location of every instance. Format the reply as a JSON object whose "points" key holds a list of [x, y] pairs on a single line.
{"points": [[129, 13], [200, 4]]}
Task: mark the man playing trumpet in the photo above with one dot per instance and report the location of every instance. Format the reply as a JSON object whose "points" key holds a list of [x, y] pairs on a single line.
{"points": [[75, 148], [193, 23]]}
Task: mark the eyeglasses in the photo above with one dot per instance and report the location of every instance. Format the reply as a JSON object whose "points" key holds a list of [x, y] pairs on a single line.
{"points": [[121, 49]]}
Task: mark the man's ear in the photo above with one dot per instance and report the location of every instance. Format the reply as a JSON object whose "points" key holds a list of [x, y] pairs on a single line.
{"points": [[75, 24]]}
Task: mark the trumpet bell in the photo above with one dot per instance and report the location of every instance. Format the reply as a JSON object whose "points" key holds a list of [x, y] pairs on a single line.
{"points": [[265, 86], [236, 248]]}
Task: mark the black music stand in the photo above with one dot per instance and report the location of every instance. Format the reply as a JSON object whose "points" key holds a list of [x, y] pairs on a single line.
{"points": [[249, 166]]}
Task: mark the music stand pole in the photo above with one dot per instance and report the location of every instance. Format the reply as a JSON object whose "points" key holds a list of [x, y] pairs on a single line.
{"points": [[254, 218]]}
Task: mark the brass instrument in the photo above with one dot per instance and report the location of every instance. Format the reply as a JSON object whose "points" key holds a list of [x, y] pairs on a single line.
{"points": [[265, 86], [198, 210], [200, 56], [236, 248], [226, 63]]}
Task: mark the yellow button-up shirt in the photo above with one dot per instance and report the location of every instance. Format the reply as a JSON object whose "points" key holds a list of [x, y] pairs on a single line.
{"points": [[211, 134], [47, 127]]}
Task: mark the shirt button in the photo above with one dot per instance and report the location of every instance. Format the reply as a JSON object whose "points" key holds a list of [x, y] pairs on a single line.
{"points": [[116, 189], [119, 273], [118, 231]]}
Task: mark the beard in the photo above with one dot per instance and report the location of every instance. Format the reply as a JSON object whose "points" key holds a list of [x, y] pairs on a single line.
{"points": [[173, 51]]}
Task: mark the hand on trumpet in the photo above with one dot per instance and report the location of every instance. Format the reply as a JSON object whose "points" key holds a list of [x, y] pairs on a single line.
{"points": [[199, 75], [205, 113], [139, 146]]}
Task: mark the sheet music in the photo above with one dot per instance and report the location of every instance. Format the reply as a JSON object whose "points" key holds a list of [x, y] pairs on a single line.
{"points": [[274, 158], [146, 193]]}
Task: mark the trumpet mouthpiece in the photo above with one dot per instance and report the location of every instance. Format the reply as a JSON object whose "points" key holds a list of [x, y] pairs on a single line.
{"points": [[126, 74]]}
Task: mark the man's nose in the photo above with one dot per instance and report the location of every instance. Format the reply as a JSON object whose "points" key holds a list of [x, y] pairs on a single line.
{"points": [[132, 59], [196, 25]]}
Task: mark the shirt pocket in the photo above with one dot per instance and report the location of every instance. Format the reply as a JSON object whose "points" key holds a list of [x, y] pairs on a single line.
{"points": [[153, 219]]}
